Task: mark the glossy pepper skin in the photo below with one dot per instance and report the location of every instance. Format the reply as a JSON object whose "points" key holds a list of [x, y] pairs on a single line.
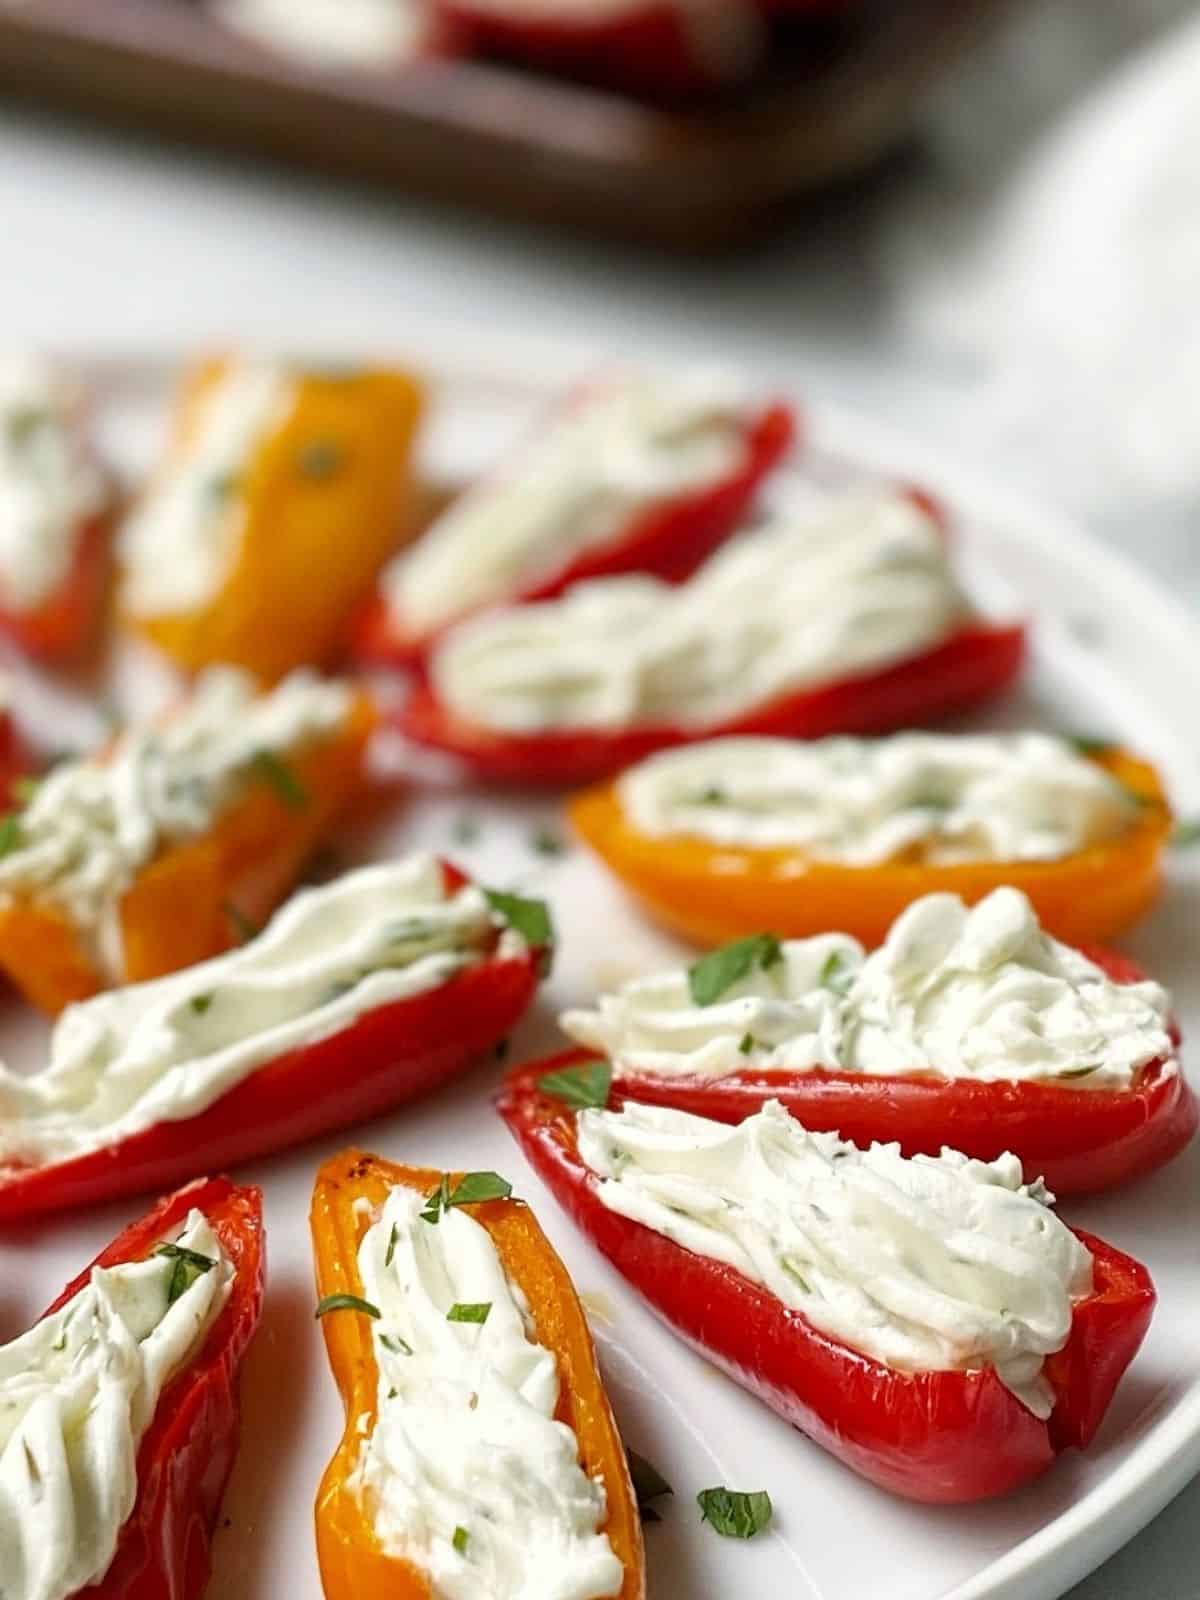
{"points": [[669, 540], [713, 893], [191, 900], [978, 661], [383, 1059], [941, 1437], [63, 626], [353, 1564], [325, 503], [188, 1451]]}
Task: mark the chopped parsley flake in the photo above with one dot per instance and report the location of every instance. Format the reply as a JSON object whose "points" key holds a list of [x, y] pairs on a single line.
{"points": [[713, 974]]}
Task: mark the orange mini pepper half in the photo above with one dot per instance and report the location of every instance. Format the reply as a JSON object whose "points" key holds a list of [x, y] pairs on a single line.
{"points": [[712, 893], [354, 1566], [199, 897], [325, 499]]}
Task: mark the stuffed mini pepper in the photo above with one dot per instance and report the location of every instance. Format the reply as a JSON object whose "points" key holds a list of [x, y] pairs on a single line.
{"points": [[357, 997], [480, 1455], [723, 838], [119, 1409], [929, 1321], [842, 616], [283, 493], [968, 1028], [163, 848], [54, 507], [633, 474]]}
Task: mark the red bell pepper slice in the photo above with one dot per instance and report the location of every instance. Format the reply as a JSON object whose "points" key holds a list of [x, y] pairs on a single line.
{"points": [[943, 1437], [647, 48], [382, 1060], [977, 661], [668, 540], [64, 624], [1079, 1140], [187, 1453]]}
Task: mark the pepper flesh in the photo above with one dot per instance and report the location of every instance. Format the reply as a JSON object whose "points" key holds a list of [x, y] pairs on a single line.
{"points": [[312, 542], [669, 540], [979, 660], [187, 1452], [185, 904], [354, 1566], [940, 1437], [63, 625], [714, 893]]}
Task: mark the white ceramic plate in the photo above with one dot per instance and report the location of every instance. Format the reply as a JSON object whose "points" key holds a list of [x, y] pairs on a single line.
{"points": [[1112, 655]]}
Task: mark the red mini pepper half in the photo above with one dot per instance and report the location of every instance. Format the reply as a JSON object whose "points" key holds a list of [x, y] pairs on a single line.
{"points": [[668, 540], [942, 1437], [979, 660], [188, 1451], [382, 1060], [1079, 1140], [64, 624]]}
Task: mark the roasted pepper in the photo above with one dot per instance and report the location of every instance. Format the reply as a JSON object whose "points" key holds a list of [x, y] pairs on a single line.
{"points": [[302, 508], [360, 1060], [187, 1452], [351, 1186], [938, 1436], [199, 896], [712, 893]]}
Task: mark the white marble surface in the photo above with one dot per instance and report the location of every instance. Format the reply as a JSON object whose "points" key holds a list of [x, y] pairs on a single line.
{"points": [[107, 243]]}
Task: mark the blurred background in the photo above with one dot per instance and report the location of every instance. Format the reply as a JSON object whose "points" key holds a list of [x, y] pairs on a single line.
{"points": [[978, 219]]}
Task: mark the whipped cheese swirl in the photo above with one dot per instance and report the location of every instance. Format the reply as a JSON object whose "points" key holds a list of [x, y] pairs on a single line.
{"points": [[165, 1050], [618, 450], [858, 582], [77, 1392], [938, 799], [936, 1263], [465, 1436], [180, 543], [49, 486], [958, 993], [94, 822]]}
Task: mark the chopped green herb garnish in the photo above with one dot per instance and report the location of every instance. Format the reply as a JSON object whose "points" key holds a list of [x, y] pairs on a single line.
{"points": [[394, 1343], [469, 1311], [221, 485], [189, 1265], [25, 421], [1087, 744], [460, 1540], [1077, 1072], [276, 773], [471, 1189], [648, 1485], [712, 796], [346, 1302], [200, 1003], [12, 835], [240, 922], [1186, 834], [733, 1514], [582, 1087], [391, 1245], [530, 918], [25, 788], [746, 1047], [837, 973], [320, 458], [713, 974], [465, 830], [545, 842]]}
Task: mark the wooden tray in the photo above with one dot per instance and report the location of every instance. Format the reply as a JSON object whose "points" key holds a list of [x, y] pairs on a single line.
{"points": [[496, 137]]}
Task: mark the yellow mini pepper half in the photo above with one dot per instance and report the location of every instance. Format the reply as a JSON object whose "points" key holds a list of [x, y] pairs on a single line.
{"points": [[713, 893], [351, 1187], [202, 896], [322, 499]]}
